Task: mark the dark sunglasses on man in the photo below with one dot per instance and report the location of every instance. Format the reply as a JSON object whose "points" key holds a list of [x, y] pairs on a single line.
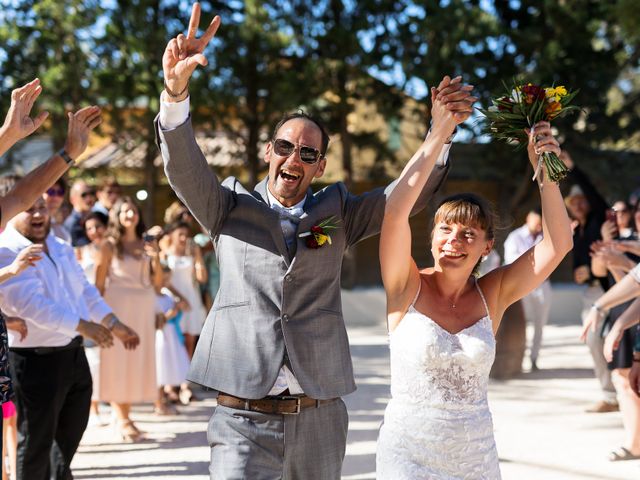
{"points": [[284, 148], [88, 193], [55, 192]]}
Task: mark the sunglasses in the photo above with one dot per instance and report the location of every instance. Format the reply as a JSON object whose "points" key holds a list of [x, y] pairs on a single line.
{"points": [[284, 148], [89, 193], [55, 192]]}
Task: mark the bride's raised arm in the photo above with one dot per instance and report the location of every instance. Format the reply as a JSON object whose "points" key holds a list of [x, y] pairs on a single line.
{"points": [[399, 271], [535, 265]]}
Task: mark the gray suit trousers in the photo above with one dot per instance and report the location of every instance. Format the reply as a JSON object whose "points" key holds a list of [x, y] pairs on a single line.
{"points": [[257, 446]]}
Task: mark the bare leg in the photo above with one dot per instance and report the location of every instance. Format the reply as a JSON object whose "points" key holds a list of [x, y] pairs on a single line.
{"points": [[190, 343], [11, 442], [630, 409]]}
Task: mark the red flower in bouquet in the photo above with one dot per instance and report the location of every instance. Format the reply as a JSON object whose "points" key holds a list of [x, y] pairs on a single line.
{"points": [[522, 107]]}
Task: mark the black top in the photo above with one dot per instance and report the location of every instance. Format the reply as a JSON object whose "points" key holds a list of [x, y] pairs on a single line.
{"points": [[585, 235]]}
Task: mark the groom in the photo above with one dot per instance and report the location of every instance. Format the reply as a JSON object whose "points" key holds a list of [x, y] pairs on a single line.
{"points": [[274, 346]]}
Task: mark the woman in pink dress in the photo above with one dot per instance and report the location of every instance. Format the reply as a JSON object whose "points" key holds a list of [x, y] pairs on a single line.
{"points": [[127, 273]]}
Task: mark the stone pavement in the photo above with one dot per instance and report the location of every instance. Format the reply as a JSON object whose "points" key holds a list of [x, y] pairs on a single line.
{"points": [[541, 430]]}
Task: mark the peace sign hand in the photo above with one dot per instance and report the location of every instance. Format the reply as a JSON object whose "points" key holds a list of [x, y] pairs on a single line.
{"points": [[183, 55]]}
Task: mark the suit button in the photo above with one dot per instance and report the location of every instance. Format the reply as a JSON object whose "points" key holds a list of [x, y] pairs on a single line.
{"points": [[288, 278], [285, 317]]}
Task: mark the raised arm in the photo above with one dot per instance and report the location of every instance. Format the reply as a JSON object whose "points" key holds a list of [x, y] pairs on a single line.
{"points": [[534, 266], [27, 190], [18, 123], [399, 271], [185, 166]]}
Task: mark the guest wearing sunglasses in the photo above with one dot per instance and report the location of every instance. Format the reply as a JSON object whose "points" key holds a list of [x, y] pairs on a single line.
{"points": [[82, 197], [54, 198], [274, 346]]}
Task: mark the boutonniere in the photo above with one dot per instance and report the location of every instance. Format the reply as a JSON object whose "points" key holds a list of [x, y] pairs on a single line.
{"points": [[318, 235]]}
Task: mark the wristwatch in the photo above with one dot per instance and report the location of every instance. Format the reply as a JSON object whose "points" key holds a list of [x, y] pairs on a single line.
{"points": [[63, 153]]}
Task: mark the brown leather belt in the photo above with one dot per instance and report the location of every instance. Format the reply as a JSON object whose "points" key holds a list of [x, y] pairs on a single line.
{"points": [[285, 405]]}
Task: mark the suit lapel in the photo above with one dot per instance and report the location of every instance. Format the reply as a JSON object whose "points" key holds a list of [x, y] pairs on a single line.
{"points": [[273, 220]]}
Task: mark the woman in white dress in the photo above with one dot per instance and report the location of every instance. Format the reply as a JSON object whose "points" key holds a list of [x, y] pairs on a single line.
{"points": [[442, 320], [185, 260]]}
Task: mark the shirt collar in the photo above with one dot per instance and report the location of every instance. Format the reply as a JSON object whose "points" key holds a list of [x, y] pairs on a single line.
{"points": [[274, 201]]}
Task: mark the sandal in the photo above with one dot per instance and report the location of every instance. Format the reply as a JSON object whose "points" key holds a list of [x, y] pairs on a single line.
{"points": [[621, 454], [127, 431], [186, 396]]}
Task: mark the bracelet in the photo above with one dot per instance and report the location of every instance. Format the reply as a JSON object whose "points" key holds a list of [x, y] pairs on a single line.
{"points": [[599, 309], [65, 156], [170, 92]]}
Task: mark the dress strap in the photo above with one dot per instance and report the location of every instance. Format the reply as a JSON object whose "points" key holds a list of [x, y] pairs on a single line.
{"points": [[413, 302], [484, 301]]}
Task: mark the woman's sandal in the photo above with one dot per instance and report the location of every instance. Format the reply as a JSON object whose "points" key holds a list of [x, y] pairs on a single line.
{"points": [[621, 454], [127, 431], [186, 396]]}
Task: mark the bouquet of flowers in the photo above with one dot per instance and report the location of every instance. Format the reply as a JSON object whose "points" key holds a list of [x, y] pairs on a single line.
{"points": [[522, 107]]}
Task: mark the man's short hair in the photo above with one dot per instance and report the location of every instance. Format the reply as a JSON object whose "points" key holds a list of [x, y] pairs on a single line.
{"points": [[7, 182], [305, 116], [107, 182]]}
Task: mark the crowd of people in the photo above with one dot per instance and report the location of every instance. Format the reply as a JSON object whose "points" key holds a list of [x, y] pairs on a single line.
{"points": [[101, 310], [74, 282]]}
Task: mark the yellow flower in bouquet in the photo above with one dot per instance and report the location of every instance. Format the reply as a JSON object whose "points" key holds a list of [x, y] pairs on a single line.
{"points": [[521, 107]]}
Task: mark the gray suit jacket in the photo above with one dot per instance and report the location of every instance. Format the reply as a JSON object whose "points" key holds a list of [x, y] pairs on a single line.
{"points": [[270, 304]]}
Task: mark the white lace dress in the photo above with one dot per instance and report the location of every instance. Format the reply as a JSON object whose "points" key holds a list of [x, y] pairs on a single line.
{"points": [[438, 424]]}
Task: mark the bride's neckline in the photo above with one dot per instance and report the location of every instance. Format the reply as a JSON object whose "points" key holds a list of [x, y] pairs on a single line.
{"points": [[440, 327]]}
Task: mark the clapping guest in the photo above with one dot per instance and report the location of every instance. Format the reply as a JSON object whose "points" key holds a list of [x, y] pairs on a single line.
{"points": [[18, 124], [132, 268], [626, 289], [60, 307], [587, 209]]}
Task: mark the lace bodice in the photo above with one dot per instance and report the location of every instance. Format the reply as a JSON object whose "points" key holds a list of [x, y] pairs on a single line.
{"points": [[431, 366], [438, 424]]}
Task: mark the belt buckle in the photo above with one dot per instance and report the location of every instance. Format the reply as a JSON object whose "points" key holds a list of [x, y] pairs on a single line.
{"points": [[298, 404]]}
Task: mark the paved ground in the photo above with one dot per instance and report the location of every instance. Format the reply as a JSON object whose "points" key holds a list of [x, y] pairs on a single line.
{"points": [[541, 430]]}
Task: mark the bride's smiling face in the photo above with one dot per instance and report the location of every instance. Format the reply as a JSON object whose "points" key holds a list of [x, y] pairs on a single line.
{"points": [[462, 232], [457, 245]]}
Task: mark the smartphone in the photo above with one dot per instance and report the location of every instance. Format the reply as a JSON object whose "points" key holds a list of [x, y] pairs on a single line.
{"points": [[611, 215], [148, 238]]}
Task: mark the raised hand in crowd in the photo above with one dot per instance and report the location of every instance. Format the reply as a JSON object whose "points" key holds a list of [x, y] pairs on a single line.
{"points": [[27, 190], [183, 55], [455, 97], [27, 257], [18, 123], [17, 325]]}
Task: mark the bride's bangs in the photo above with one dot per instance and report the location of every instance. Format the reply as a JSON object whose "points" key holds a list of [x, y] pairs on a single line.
{"points": [[466, 209]]}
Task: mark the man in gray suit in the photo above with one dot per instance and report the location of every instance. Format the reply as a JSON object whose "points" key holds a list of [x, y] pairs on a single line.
{"points": [[274, 346]]}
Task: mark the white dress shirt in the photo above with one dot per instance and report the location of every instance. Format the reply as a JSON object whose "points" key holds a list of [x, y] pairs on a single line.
{"points": [[518, 242], [51, 297]]}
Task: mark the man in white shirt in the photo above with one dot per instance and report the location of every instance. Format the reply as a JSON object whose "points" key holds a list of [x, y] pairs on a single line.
{"points": [[51, 376], [537, 304]]}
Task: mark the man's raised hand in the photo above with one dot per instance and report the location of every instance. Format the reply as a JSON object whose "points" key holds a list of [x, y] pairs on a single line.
{"points": [[183, 55], [81, 124], [18, 123]]}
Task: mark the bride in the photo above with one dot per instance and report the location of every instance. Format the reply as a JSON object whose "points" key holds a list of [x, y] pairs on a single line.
{"points": [[442, 319]]}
